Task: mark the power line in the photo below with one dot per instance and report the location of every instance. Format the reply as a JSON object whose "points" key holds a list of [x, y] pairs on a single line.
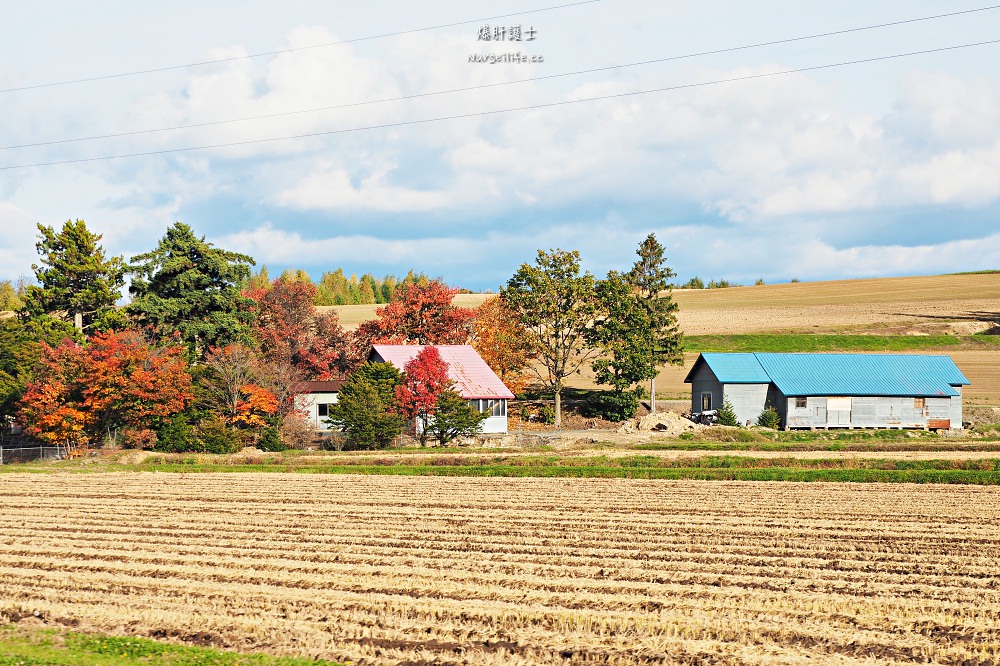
{"points": [[290, 50], [502, 83], [532, 107]]}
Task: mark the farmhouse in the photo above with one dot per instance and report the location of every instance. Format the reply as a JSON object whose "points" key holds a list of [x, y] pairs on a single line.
{"points": [[474, 380], [313, 400], [832, 390]]}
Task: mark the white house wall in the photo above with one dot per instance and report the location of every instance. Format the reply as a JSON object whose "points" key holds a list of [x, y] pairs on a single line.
{"points": [[495, 424], [956, 409], [308, 405]]}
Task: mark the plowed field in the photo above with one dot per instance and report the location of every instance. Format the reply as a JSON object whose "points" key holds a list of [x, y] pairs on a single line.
{"points": [[460, 570], [953, 303]]}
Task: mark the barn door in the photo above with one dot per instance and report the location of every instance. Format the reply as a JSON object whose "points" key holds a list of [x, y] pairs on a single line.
{"points": [[838, 411]]}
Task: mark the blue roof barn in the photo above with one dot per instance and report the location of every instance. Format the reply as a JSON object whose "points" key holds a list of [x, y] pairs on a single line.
{"points": [[833, 390]]}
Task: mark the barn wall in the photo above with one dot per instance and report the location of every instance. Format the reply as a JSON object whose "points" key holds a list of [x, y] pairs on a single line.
{"points": [[748, 400], [778, 401], [704, 381], [956, 409], [866, 412], [813, 415]]}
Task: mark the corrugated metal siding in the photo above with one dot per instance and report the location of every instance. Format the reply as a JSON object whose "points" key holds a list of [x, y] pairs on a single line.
{"points": [[813, 415], [748, 400], [956, 410], [705, 386], [866, 412]]}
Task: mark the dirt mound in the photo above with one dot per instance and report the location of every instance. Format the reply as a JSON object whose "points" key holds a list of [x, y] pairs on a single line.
{"points": [[668, 423], [135, 457]]}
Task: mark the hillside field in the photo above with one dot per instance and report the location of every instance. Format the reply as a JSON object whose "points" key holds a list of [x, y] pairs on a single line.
{"points": [[392, 570], [914, 308]]}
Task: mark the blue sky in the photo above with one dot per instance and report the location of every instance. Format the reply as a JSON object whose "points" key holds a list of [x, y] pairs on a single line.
{"points": [[877, 169]]}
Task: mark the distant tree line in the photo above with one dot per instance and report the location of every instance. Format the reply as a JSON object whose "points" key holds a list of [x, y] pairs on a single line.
{"points": [[335, 288]]}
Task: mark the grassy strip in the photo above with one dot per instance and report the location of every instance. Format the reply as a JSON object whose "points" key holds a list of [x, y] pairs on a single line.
{"points": [[844, 343], [50, 647], [861, 446], [981, 471], [681, 473]]}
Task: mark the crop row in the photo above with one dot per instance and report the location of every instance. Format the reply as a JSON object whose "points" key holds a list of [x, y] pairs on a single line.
{"points": [[390, 569]]}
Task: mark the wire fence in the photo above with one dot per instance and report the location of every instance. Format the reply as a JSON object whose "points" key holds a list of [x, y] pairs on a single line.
{"points": [[21, 454]]}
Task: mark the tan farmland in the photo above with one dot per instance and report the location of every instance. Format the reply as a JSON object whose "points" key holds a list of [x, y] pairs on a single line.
{"points": [[388, 570], [909, 304]]}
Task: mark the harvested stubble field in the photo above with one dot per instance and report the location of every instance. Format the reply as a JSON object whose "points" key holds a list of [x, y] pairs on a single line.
{"points": [[508, 571]]}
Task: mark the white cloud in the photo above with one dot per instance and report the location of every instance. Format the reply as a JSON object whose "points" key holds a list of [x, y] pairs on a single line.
{"points": [[330, 188]]}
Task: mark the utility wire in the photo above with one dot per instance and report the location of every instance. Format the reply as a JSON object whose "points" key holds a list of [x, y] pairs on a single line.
{"points": [[532, 107], [502, 83], [291, 50]]}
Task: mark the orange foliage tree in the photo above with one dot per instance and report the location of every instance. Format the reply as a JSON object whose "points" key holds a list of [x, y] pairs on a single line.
{"points": [[118, 385], [503, 342], [419, 315], [255, 408], [52, 405]]}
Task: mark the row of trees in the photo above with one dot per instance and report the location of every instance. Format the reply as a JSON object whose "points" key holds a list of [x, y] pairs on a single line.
{"points": [[335, 288], [206, 352]]}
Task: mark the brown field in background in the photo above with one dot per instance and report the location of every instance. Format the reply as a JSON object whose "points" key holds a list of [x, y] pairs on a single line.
{"points": [[377, 569], [875, 305], [351, 316]]}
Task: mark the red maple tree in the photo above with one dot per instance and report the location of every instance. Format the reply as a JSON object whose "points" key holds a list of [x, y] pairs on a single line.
{"points": [[425, 376], [419, 315], [292, 331]]}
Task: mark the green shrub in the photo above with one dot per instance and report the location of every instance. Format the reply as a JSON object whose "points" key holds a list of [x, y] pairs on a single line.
{"points": [[214, 436], [270, 440], [175, 435], [612, 405], [727, 415], [769, 418], [548, 414]]}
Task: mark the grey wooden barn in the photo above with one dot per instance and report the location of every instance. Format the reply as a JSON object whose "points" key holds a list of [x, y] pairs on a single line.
{"points": [[832, 390]]}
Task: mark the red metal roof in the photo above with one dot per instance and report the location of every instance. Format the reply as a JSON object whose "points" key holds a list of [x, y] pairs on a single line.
{"points": [[472, 377]]}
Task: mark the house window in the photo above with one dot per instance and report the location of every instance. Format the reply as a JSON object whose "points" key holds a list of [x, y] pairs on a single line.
{"points": [[919, 403], [706, 402], [497, 407], [801, 402], [323, 409]]}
